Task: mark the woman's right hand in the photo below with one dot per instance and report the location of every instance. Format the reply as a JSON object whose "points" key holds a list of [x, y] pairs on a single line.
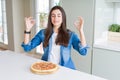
{"points": [[29, 22]]}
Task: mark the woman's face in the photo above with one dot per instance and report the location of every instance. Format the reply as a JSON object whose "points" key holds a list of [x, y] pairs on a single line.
{"points": [[56, 18]]}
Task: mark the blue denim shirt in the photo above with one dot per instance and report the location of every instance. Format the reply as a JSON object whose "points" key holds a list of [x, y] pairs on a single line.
{"points": [[65, 52]]}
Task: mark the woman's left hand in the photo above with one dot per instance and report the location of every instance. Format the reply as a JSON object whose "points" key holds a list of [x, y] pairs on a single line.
{"points": [[79, 23]]}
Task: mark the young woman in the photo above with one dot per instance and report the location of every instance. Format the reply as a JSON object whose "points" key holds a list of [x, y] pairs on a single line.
{"points": [[56, 38]]}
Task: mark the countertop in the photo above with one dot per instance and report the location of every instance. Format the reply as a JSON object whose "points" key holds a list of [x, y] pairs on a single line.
{"points": [[109, 45], [16, 66]]}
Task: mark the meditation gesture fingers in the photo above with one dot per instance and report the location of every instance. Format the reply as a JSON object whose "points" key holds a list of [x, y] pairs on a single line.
{"points": [[79, 23], [29, 22]]}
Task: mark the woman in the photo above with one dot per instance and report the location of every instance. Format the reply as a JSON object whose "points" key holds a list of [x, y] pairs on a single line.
{"points": [[56, 38]]}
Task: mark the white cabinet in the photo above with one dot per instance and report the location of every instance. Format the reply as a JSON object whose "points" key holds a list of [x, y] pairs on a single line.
{"points": [[106, 54], [106, 63]]}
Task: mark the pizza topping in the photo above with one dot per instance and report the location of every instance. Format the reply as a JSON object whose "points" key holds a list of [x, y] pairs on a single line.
{"points": [[43, 67]]}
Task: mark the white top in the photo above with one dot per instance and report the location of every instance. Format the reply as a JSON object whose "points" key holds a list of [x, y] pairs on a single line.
{"points": [[55, 51], [16, 66]]}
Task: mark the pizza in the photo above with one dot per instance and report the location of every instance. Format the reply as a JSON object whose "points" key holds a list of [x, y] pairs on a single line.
{"points": [[43, 67]]}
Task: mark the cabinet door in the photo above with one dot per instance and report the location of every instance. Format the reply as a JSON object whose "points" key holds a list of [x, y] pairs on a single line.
{"points": [[106, 64]]}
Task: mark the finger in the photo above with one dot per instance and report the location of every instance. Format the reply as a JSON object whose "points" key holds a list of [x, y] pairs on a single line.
{"points": [[81, 18], [30, 18], [25, 18], [33, 21]]}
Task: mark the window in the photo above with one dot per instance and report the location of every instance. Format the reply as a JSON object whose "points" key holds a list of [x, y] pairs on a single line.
{"points": [[3, 23], [42, 10]]}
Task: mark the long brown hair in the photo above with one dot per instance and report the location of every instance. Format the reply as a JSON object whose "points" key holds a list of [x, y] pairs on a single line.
{"points": [[63, 35]]}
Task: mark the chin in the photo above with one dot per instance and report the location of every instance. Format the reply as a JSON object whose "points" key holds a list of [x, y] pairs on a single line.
{"points": [[57, 26]]}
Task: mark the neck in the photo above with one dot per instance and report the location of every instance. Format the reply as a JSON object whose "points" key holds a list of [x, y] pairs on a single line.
{"points": [[55, 29]]}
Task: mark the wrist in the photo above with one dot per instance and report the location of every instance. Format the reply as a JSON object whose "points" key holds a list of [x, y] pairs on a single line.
{"points": [[81, 30], [27, 32]]}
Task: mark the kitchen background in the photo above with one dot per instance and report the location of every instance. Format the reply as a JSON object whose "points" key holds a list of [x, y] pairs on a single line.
{"points": [[103, 55]]}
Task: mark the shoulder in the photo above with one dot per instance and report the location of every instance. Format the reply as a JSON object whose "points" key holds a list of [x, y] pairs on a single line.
{"points": [[73, 36], [41, 31], [71, 33]]}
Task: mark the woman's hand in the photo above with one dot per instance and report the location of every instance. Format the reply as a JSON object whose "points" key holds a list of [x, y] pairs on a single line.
{"points": [[79, 26], [79, 23], [29, 22]]}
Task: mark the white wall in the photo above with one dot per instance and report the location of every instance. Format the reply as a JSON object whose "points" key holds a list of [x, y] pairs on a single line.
{"points": [[15, 23], [10, 24], [117, 12], [104, 12], [84, 8]]}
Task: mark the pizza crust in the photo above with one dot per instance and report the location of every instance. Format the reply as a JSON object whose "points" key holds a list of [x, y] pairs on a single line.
{"points": [[43, 68]]}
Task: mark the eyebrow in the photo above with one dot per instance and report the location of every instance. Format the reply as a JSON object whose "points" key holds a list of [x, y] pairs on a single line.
{"points": [[57, 14]]}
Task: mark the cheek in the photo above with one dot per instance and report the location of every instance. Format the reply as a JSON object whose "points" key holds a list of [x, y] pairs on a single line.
{"points": [[52, 20], [61, 20]]}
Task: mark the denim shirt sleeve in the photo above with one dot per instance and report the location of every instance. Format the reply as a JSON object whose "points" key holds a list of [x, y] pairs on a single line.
{"points": [[76, 43], [34, 42]]}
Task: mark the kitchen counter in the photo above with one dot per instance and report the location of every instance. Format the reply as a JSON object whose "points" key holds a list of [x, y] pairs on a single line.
{"points": [[16, 66], [109, 45]]}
